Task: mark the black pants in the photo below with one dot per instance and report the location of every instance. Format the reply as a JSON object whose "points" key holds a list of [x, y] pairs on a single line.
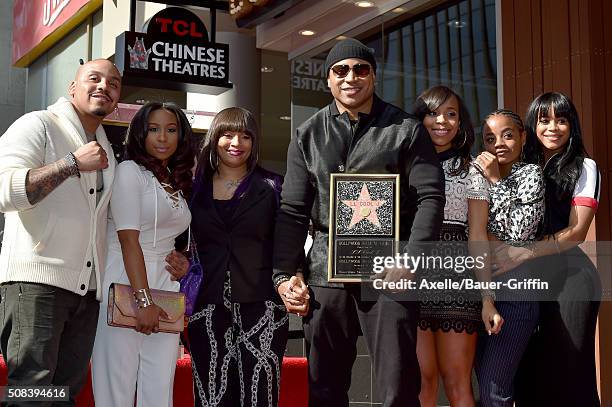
{"points": [[47, 336], [498, 356], [558, 367], [237, 353], [337, 317]]}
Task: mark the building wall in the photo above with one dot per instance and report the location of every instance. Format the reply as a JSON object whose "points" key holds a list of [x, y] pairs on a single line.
{"points": [[566, 46], [12, 80]]}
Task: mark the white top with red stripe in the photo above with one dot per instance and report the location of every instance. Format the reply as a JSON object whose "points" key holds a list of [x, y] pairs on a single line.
{"points": [[586, 192]]}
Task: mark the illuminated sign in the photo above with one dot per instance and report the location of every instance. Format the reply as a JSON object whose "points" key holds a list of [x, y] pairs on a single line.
{"points": [[174, 53]]}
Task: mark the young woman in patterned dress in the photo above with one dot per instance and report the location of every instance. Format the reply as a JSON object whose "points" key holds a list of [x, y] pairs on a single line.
{"points": [[450, 320], [515, 193]]}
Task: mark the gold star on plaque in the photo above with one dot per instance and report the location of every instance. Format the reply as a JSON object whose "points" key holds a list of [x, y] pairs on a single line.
{"points": [[364, 207]]}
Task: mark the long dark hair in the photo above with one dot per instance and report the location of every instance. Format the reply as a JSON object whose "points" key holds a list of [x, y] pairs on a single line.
{"points": [[432, 99], [181, 162], [566, 169], [230, 119]]}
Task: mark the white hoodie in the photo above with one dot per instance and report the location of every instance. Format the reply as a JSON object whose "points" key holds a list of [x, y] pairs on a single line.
{"points": [[55, 241]]}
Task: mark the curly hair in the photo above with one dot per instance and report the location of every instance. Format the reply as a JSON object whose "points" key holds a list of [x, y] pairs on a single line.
{"points": [[180, 163], [566, 169], [231, 119], [432, 99]]}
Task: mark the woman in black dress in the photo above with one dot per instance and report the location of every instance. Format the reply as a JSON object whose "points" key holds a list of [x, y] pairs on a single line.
{"points": [[449, 320]]}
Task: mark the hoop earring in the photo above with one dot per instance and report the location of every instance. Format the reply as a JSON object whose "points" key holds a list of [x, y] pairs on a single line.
{"points": [[215, 165]]}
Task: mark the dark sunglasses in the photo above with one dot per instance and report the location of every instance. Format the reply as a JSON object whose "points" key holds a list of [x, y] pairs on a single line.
{"points": [[360, 70]]}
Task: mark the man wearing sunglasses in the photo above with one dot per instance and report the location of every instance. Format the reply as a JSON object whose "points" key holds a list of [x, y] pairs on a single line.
{"points": [[356, 133]]}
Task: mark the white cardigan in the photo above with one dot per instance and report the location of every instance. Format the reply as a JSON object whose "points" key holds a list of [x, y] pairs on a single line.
{"points": [[55, 241]]}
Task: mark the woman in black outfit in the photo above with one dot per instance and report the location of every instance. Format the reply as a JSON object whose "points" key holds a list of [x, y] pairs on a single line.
{"points": [[238, 330], [558, 368]]}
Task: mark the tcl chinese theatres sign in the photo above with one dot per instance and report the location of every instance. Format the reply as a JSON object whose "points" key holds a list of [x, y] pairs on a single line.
{"points": [[38, 24], [174, 53]]}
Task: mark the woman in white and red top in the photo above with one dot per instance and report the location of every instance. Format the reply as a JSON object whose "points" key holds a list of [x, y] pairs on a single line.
{"points": [[558, 368]]}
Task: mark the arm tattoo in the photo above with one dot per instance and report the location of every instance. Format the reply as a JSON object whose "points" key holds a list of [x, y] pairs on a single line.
{"points": [[41, 181]]}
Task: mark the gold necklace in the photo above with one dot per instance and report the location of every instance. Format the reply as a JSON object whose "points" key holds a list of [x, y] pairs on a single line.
{"points": [[232, 184]]}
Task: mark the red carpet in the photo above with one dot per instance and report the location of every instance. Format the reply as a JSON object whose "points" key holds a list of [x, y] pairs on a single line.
{"points": [[294, 384]]}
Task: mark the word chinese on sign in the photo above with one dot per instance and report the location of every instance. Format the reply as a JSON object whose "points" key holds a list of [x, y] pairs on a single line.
{"points": [[240, 8]]}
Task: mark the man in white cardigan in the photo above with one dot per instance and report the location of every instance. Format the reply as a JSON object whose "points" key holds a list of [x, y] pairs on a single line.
{"points": [[56, 171]]}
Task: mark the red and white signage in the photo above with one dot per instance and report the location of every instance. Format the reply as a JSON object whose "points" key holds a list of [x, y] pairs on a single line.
{"points": [[34, 21]]}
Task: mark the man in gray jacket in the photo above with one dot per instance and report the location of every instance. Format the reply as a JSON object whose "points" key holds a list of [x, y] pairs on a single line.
{"points": [[56, 171]]}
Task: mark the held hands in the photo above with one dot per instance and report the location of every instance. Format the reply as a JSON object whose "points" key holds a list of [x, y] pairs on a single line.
{"points": [[147, 319], [91, 157], [177, 265], [493, 321], [488, 165], [295, 295]]}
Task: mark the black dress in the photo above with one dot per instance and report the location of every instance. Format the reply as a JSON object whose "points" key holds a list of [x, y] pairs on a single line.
{"points": [[558, 367], [456, 310]]}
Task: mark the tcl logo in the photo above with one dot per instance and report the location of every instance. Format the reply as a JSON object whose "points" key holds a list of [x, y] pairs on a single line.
{"points": [[52, 10], [179, 27]]}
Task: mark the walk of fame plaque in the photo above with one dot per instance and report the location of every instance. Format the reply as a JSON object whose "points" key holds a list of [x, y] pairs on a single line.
{"points": [[363, 224]]}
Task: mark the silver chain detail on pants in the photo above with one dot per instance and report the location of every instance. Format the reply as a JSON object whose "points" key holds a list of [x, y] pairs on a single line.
{"points": [[235, 337]]}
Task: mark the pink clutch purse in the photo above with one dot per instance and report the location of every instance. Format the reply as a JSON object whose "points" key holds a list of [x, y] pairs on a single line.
{"points": [[122, 308]]}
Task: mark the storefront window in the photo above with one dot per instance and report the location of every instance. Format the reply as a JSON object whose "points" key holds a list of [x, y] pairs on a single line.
{"points": [[453, 44]]}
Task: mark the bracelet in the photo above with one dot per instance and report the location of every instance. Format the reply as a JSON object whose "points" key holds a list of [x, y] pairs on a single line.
{"points": [[72, 162], [143, 298], [532, 249], [278, 280], [487, 293]]}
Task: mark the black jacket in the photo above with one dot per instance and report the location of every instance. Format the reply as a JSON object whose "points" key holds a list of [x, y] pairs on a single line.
{"points": [[388, 140], [242, 244]]}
